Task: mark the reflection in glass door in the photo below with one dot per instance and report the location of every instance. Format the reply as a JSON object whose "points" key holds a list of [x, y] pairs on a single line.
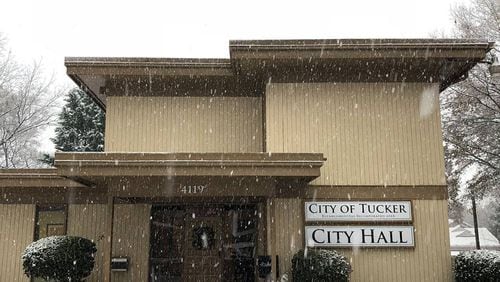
{"points": [[167, 235], [239, 245], [200, 243]]}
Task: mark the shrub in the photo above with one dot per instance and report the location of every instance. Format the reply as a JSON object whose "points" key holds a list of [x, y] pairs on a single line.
{"points": [[480, 265], [61, 258], [320, 265]]}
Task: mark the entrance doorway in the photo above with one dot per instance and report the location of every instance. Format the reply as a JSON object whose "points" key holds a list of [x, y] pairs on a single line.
{"points": [[203, 243]]}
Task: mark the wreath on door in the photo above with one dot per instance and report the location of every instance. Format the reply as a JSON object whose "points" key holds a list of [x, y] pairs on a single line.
{"points": [[203, 238]]}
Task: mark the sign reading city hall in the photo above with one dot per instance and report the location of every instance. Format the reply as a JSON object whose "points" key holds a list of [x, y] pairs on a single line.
{"points": [[363, 236], [358, 211]]}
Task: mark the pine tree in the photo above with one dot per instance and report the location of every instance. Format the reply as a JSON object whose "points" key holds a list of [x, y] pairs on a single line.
{"points": [[81, 125]]}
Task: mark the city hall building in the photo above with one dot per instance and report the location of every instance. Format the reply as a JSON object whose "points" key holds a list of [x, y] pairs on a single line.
{"points": [[222, 169]]}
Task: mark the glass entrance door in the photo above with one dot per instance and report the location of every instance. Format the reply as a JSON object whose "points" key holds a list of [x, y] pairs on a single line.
{"points": [[203, 245], [166, 244], [200, 243]]}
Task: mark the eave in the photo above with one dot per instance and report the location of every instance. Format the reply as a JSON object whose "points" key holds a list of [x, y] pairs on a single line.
{"points": [[358, 48], [254, 63], [35, 178], [302, 167], [443, 61], [147, 66], [92, 73]]}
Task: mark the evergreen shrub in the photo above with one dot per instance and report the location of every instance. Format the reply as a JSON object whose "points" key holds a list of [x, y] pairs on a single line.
{"points": [[59, 258], [320, 265], [479, 265]]}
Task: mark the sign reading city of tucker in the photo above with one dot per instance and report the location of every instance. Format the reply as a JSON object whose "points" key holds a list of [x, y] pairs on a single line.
{"points": [[356, 235], [358, 211]]}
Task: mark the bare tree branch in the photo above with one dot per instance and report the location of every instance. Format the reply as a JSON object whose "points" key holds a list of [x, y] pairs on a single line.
{"points": [[471, 112], [27, 103]]}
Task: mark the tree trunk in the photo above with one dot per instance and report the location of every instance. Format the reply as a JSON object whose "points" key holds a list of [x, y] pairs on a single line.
{"points": [[6, 155], [474, 216]]}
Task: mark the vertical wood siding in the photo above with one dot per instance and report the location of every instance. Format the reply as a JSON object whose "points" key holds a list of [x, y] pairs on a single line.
{"points": [[430, 260], [371, 134], [289, 231], [184, 124], [17, 223], [131, 239], [89, 221]]}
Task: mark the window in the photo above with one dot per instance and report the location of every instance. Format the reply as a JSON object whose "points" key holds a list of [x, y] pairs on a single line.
{"points": [[50, 221]]}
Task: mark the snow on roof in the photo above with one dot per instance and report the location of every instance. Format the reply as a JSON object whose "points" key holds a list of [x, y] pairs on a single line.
{"points": [[463, 238]]}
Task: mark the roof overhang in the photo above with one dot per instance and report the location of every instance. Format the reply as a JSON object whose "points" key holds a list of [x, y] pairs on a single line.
{"points": [[35, 178], [92, 74], [255, 62], [445, 61], [44, 186], [93, 167], [358, 48]]}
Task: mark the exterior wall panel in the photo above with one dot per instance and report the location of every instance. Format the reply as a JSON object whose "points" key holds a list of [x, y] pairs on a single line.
{"points": [[429, 260], [89, 221], [131, 239], [289, 231], [371, 134], [184, 124], [16, 233]]}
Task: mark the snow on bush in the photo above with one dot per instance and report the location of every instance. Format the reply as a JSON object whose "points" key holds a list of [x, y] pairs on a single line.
{"points": [[60, 258], [320, 265], [480, 265]]}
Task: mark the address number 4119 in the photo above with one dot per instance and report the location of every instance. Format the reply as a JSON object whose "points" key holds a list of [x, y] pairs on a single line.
{"points": [[193, 189]]}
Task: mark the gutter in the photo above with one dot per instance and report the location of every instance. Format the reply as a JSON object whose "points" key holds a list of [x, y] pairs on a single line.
{"points": [[268, 45]]}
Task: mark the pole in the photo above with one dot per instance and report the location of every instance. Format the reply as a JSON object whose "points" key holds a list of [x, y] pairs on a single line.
{"points": [[474, 216], [108, 240]]}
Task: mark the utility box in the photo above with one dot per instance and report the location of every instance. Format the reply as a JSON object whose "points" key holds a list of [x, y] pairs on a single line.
{"points": [[119, 264]]}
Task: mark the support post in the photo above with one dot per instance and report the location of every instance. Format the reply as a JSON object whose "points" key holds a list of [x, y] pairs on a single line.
{"points": [[108, 242], [271, 237]]}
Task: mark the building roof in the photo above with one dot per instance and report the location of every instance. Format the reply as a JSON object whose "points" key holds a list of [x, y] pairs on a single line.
{"points": [[255, 62], [359, 45], [463, 238], [35, 178], [91, 165], [87, 169]]}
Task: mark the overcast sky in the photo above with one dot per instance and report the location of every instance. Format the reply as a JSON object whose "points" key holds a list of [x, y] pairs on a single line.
{"points": [[52, 29]]}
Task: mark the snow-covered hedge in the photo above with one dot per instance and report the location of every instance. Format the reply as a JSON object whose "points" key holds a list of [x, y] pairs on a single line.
{"points": [[60, 258], [480, 265], [320, 265]]}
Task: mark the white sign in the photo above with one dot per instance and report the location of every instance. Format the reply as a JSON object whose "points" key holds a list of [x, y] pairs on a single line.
{"points": [[362, 236], [358, 211]]}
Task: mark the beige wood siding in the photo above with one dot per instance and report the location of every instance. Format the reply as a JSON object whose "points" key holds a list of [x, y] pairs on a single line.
{"points": [[131, 239], [89, 221], [17, 223], [371, 134], [430, 260], [184, 124], [289, 231]]}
